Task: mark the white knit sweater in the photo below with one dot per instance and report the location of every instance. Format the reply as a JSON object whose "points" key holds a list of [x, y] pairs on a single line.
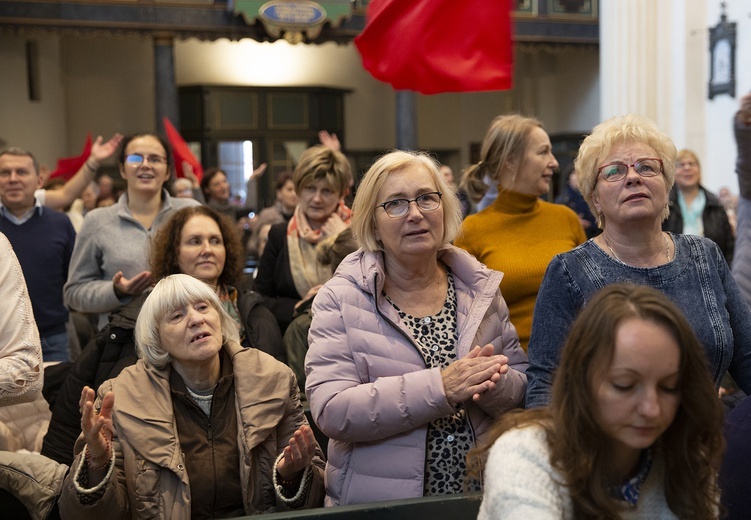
{"points": [[520, 483], [21, 372]]}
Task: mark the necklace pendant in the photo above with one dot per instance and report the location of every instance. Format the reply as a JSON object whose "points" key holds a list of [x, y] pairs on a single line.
{"points": [[426, 319]]}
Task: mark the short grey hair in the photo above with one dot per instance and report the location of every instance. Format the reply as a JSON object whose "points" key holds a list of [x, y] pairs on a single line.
{"points": [[172, 292]]}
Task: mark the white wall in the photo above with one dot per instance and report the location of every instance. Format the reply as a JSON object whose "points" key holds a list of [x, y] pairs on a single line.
{"points": [[719, 159]]}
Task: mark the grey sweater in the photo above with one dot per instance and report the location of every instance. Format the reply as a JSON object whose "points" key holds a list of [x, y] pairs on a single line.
{"points": [[111, 240]]}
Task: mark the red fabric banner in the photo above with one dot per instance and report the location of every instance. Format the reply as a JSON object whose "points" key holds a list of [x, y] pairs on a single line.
{"points": [[68, 166], [435, 46], [181, 151]]}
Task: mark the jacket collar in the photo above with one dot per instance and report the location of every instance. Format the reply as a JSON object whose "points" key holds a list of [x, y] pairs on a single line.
{"points": [[366, 270], [145, 416]]}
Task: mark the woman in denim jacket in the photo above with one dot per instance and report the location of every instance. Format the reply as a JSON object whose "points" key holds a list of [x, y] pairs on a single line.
{"points": [[627, 168]]}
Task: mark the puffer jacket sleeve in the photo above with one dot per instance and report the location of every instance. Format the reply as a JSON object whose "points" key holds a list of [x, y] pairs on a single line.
{"points": [[511, 390], [345, 404]]}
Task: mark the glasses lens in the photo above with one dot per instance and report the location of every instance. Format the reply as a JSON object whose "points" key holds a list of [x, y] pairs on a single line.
{"points": [[614, 172], [647, 167], [397, 207], [429, 201], [134, 159], [156, 160]]}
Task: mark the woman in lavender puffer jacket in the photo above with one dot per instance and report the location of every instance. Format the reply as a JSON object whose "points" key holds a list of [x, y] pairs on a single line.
{"points": [[412, 354]]}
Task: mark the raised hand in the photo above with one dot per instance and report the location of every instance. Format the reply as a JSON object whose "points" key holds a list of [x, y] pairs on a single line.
{"points": [[330, 140], [258, 171], [133, 286], [97, 427], [101, 150], [298, 454]]}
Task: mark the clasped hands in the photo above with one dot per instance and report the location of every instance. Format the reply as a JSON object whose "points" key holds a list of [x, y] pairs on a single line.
{"points": [[473, 375]]}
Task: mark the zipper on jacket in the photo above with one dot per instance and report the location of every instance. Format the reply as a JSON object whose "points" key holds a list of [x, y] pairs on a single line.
{"points": [[416, 346]]}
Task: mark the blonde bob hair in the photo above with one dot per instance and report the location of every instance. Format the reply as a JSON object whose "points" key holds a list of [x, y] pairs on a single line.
{"points": [[322, 163], [173, 292], [615, 131], [365, 204]]}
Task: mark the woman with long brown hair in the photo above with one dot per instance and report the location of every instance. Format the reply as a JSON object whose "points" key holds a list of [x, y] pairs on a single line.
{"points": [[633, 430]]}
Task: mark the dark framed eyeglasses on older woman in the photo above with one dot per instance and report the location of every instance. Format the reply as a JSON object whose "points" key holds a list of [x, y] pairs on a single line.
{"points": [[398, 208]]}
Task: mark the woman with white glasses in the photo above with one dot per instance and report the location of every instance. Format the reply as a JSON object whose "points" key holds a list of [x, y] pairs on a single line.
{"points": [[412, 354], [110, 262]]}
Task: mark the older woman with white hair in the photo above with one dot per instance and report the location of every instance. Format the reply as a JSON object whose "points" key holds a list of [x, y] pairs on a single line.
{"points": [[201, 426], [412, 354], [626, 169]]}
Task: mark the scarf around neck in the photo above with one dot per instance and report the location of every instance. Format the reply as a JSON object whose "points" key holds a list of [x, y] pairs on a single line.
{"points": [[301, 243]]}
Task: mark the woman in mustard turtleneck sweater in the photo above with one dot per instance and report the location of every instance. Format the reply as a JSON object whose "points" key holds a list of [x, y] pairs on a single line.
{"points": [[517, 234]]}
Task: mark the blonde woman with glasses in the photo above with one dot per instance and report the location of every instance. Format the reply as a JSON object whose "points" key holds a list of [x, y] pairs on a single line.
{"points": [[626, 169], [696, 211], [412, 354]]}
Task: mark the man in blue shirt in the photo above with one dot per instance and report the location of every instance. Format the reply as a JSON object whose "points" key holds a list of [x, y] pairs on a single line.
{"points": [[43, 241]]}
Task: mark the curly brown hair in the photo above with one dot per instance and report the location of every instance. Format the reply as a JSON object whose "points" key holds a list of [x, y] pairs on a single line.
{"points": [[692, 445], [165, 248]]}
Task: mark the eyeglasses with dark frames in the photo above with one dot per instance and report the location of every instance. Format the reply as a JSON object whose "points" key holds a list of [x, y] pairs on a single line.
{"points": [[617, 171], [398, 208]]}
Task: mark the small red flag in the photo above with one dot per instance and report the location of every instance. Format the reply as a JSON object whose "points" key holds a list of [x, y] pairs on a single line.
{"points": [[435, 46], [181, 151], [68, 166]]}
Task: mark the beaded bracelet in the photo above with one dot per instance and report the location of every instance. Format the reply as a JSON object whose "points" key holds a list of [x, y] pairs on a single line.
{"points": [[304, 484], [89, 458], [90, 167]]}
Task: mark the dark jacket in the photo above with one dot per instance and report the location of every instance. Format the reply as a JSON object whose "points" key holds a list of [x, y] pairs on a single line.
{"points": [[715, 219], [113, 349], [261, 329], [104, 357], [274, 278]]}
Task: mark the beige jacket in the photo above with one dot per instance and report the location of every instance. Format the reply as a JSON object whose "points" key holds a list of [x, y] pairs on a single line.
{"points": [[150, 480]]}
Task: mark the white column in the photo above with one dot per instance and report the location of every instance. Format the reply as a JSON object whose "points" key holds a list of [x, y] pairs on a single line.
{"points": [[653, 61]]}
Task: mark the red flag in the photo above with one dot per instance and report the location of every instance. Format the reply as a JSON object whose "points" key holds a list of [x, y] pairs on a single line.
{"points": [[181, 151], [68, 166], [434, 46]]}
